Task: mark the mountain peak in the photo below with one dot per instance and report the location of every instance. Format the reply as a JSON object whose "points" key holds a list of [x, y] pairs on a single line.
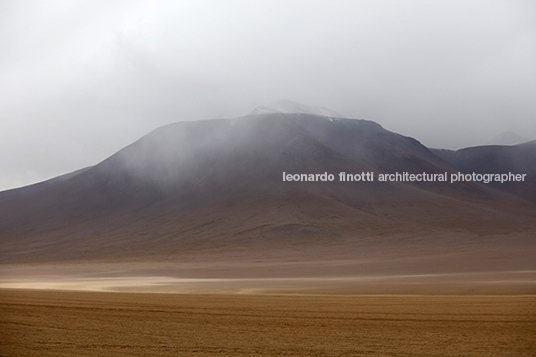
{"points": [[288, 106]]}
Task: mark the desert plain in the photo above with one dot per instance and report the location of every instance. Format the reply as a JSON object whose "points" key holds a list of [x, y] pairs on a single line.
{"points": [[88, 323], [262, 308]]}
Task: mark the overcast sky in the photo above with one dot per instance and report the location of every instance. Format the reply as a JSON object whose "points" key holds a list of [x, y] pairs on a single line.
{"points": [[79, 80]]}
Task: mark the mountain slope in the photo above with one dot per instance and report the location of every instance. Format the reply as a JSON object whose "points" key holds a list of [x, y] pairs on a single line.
{"points": [[498, 159]]}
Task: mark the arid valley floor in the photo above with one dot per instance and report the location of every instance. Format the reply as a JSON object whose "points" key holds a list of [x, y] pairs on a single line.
{"points": [[76, 323], [263, 308]]}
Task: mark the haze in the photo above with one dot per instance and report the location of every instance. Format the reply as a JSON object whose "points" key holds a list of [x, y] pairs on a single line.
{"points": [[80, 80]]}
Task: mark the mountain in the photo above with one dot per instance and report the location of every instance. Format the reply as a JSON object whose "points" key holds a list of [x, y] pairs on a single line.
{"points": [[214, 189], [508, 138], [40, 185]]}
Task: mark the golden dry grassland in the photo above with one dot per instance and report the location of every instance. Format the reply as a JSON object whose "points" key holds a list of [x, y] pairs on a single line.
{"points": [[56, 323]]}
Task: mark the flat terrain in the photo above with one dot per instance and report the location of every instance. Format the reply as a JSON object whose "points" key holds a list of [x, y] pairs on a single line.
{"points": [[76, 323], [392, 274]]}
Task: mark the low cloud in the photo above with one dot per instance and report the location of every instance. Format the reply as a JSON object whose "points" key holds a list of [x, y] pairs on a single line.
{"points": [[81, 80]]}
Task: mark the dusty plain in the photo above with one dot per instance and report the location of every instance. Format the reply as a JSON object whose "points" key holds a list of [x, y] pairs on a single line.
{"points": [[82, 323]]}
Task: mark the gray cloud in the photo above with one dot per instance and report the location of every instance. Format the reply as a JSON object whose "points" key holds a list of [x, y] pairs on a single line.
{"points": [[80, 80]]}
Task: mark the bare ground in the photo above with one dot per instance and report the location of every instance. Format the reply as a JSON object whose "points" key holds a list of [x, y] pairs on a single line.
{"points": [[54, 323]]}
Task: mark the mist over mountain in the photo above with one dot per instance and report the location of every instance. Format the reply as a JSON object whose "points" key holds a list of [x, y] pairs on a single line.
{"points": [[288, 106], [508, 138], [217, 185]]}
